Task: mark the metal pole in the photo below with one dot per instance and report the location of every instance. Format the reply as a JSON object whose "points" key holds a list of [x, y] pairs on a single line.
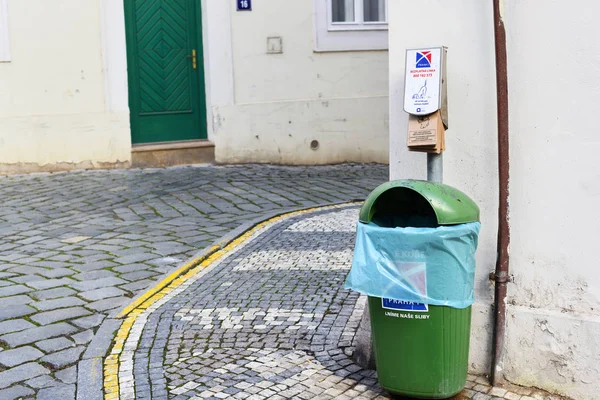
{"points": [[501, 276], [435, 167]]}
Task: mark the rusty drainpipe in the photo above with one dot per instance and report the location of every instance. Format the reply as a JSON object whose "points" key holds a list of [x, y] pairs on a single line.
{"points": [[501, 276]]}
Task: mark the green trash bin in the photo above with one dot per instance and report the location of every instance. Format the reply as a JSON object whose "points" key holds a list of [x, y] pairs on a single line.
{"points": [[420, 350]]}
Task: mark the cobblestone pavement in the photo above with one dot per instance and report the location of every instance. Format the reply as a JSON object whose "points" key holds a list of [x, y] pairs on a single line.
{"points": [[74, 247], [268, 320]]}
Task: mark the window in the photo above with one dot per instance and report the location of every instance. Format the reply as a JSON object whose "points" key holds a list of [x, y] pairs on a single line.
{"points": [[358, 14], [4, 43], [342, 25]]}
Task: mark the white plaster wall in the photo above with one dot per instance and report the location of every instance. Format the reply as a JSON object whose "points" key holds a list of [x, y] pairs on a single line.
{"points": [[554, 84], [470, 160], [281, 102], [280, 132], [553, 327], [53, 107]]}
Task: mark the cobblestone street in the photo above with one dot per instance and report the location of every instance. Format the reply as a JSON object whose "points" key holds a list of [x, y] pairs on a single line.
{"points": [[77, 246], [263, 317], [268, 319]]}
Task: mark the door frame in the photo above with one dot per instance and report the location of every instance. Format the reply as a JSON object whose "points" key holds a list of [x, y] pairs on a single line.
{"points": [[217, 58]]}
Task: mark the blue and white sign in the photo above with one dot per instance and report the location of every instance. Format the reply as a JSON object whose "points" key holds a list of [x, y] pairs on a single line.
{"points": [[244, 5], [401, 305], [423, 83]]}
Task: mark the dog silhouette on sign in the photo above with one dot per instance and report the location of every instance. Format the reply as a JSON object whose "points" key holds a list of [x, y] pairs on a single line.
{"points": [[422, 91]]}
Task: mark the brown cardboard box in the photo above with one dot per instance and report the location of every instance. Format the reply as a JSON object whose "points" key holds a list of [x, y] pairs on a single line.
{"points": [[426, 133]]}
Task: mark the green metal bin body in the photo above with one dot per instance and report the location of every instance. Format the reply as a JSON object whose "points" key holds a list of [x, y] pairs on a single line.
{"points": [[421, 354]]}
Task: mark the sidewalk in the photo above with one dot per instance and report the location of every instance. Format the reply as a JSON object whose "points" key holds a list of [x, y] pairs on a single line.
{"points": [[264, 318]]}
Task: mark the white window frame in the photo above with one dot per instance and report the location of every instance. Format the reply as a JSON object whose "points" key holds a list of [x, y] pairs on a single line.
{"points": [[4, 40], [359, 23], [347, 36]]}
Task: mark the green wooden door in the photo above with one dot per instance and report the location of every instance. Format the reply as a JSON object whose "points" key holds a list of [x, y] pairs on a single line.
{"points": [[166, 86]]}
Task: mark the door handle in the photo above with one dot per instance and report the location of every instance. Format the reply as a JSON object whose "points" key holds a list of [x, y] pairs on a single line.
{"points": [[194, 60]]}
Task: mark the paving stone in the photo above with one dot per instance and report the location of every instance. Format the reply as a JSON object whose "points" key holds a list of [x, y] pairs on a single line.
{"points": [[15, 392], [97, 283], [21, 373], [91, 275], [139, 285], [102, 340], [134, 258], [62, 314], [57, 272], [14, 325], [63, 358], [10, 312], [15, 300], [137, 275], [67, 375], [108, 304], [18, 356], [94, 265], [62, 302], [57, 392], [498, 392], [25, 278], [42, 382], [75, 239], [90, 379], [50, 283], [28, 269], [102, 293], [88, 322], [83, 337], [53, 345], [33, 335], [124, 269], [53, 293], [13, 290]]}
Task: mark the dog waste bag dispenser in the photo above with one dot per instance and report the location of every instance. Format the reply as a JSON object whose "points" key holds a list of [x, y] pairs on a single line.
{"points": [[425, 99], [415, 259]]}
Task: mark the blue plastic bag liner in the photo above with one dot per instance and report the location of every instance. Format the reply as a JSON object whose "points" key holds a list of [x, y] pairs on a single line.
{"points": [[420, 265]]}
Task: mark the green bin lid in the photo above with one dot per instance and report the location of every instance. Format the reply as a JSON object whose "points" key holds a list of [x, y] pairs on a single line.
{"points": [[451, 206]]}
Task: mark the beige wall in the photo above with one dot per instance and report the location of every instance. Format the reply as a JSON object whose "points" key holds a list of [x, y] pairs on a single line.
{"points": [[281, 102], [63, 97], [553, 324], [52, 97]]}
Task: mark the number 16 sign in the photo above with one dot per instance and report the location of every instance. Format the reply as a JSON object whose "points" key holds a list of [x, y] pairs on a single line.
{"points": [[244, 5]]}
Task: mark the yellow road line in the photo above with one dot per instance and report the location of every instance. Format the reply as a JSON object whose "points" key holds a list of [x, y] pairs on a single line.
{"points": [[166, 286]]}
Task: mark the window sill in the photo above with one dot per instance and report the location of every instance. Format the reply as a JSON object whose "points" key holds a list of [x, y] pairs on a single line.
{"points": [[351, 41], [357, 27]]}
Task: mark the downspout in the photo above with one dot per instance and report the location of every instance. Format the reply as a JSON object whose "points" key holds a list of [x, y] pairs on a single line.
{"points": [[501, 276]]}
